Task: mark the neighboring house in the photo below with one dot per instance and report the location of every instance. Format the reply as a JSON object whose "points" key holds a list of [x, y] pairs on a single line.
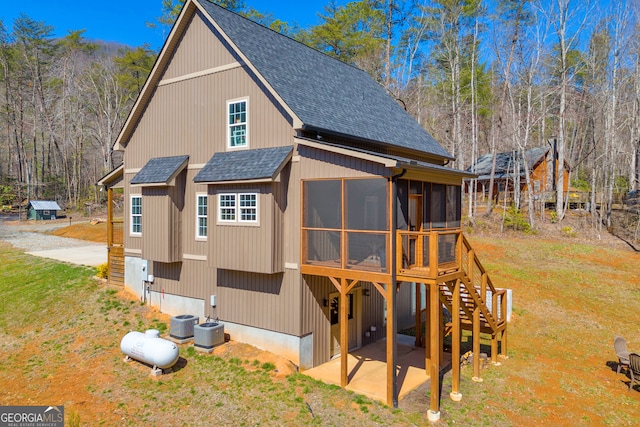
{"points": [[42, 209], [285, 193], [510, 169]]}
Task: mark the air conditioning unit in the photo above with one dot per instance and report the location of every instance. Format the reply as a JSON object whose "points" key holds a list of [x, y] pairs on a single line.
{"points": [[208, 335], [181, 327]]}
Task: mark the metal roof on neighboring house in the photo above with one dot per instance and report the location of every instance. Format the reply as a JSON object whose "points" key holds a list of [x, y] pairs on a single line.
{"points": [[245, 165], [160, 170], [45, 205], [325, 93], [505, 163]]}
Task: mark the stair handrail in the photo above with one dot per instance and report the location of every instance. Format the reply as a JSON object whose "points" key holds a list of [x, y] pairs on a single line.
{"points": [[498, 300]]}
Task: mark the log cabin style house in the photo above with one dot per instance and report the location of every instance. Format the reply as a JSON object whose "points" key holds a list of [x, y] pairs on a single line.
{"points": [[509, 174], [285, 193]]}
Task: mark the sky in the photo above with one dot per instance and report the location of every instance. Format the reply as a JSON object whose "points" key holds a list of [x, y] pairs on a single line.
{"points": [[125, 21]]}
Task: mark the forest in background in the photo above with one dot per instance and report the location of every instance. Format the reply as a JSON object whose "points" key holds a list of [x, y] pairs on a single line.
{"points": [[482, 76]]}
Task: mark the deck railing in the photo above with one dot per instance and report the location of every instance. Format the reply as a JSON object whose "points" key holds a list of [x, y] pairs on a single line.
{"points": [[429, 254]]}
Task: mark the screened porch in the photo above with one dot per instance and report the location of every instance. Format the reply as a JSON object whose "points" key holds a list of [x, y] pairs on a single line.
{"points": [[347, 225]]}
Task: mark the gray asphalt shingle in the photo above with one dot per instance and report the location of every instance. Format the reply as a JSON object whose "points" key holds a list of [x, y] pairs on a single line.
{"points": [[505, 162], [244, 165], [159, 170], [326, 94]]}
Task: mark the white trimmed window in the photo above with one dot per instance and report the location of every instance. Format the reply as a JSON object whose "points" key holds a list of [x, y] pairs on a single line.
{"points": [[227, 207], [248, 207], [237, 124], [238, 208], [136, 215], [201, 216]]}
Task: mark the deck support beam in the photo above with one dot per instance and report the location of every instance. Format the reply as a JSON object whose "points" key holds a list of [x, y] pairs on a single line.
{"points": [[392, 348], [109, 231], [455, 343], [435, 344], [344, 333], [476, 344], [419, 339], [503, 343]]}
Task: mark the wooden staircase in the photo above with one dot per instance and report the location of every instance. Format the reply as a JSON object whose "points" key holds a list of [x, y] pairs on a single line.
{"points": [[482, 307]]}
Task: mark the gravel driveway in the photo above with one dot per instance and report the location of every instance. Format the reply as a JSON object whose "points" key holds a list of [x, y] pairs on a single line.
{"points": [[31, 237]]}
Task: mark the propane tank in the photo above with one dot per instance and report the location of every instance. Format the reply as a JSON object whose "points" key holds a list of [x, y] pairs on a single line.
{"points": [[149, 348]]}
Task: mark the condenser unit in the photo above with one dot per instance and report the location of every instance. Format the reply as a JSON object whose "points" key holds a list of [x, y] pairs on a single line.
{"points": [[208, 335], [181, 327]]}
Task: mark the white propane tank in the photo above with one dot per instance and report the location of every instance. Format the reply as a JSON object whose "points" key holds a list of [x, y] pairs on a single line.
{"points": [[150, 348]]}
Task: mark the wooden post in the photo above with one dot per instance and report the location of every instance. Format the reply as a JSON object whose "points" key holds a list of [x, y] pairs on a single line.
{"points": [[494, 348], [344, 333], [427, 329], [476, 345], [503, 344], [392, 393], [419, 342], [109, 232], [392, 316], [503, 339], [433, 413], [433, 254], [109, 217], [455, 343]]}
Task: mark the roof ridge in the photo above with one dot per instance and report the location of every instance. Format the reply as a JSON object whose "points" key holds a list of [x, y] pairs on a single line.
{"points": [[283, 35]]}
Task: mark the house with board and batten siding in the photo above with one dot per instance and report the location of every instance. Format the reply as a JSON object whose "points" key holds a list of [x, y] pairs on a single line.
{"points": [[290, 190]]}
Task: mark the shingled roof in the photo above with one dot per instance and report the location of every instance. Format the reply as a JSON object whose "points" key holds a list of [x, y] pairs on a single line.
{"points": [[244, 165], [327, 95], [505, 163], [160, 170]]}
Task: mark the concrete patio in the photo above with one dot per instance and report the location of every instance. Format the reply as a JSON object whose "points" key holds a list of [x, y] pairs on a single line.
{"points": [[367, 369]]}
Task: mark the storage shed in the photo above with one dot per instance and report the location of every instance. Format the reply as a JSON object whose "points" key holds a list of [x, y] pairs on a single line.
{"points": [[42, 209]]}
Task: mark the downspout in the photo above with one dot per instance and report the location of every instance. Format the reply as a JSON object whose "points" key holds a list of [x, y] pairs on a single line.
{"points": [[392, 310]]}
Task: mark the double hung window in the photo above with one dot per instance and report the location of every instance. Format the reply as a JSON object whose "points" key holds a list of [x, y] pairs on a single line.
{"points": [[237, 122], [201, 216], [136, 215]]}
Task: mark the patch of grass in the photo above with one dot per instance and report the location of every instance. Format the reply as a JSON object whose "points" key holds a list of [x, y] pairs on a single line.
{"points": [[268, 366]]}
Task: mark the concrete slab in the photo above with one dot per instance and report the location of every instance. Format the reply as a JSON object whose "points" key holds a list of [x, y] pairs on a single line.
{"points": [[92, 256], [367, 369]]}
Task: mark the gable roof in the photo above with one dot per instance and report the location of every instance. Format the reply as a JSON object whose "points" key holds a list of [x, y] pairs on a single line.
{"points": [[160, 170], [322, 93], [505, 163], [45, 205], [326, 94], [245, 165]]}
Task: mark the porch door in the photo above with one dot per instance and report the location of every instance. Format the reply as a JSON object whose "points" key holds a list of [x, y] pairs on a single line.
{"points": [[415, 224], [355, 321]]}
